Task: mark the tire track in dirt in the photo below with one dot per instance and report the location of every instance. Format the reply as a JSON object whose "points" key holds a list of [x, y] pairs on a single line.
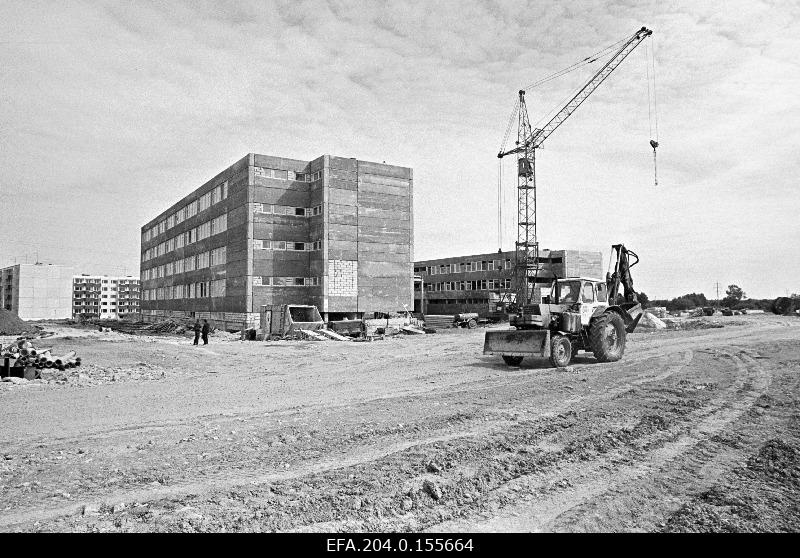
{"points": [[358, 455], [607, 498]]}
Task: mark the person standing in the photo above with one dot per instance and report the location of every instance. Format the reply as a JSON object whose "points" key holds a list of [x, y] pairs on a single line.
{"points": [[206, 329], [197, 329]]}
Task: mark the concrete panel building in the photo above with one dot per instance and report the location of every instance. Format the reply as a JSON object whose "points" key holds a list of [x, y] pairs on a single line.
{"points": [[333, 232], [37, 291], [475, 283], [104, 297]]}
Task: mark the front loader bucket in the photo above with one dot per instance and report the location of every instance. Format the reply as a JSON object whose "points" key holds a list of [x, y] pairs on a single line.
{"points": [[633, 311], [516, 342]]}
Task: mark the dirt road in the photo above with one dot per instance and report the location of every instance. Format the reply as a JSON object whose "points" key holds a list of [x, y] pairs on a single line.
{"points": [[692, 430]]}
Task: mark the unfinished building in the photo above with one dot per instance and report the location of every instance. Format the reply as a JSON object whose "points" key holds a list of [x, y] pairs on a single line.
{"points": [[477, 283], [334, 232]]}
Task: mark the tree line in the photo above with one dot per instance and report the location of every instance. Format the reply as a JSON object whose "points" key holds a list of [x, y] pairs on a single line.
{"points": [[735, 299]]}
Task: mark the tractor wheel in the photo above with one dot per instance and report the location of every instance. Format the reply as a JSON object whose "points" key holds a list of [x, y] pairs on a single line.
{"points": [[513, 360], [560, 351], [607, 337], [472, 324]]}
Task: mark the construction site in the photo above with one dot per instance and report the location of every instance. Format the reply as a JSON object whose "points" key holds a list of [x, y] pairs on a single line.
{"points": [[348, 387]]}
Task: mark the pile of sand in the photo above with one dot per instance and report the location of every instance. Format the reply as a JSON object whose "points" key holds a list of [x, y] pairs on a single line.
{"points": [[11, 324]]}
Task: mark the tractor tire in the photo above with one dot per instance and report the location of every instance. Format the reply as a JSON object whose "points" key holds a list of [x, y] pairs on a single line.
{"points": [[513, 360], [607, 337], [472, 324], [560, 351]]}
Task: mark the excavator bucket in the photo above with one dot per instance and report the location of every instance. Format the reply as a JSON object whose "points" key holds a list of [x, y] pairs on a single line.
{"points": [[633, 312]]}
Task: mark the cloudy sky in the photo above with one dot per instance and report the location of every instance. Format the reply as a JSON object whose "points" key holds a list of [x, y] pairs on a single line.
{"points": [[111, 111]]}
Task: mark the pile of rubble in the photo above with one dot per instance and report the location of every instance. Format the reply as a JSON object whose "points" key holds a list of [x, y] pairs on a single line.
{"points": [[22, 354]]}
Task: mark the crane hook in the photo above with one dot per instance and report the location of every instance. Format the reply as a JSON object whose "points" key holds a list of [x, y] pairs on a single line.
{"points": [[654, 144]]}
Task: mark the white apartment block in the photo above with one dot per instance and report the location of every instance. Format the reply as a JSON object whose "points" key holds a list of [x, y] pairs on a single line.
{"points": [[37, 291], [101, 296]]}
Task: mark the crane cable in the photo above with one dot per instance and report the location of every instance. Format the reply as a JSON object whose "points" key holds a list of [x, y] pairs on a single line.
{"points": [[588, 60], [650, 61]]}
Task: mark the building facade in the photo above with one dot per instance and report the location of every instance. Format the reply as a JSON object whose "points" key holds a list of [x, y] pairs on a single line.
{"points": [[37, 291], [334, 232], [476, 283], [101, 296]]}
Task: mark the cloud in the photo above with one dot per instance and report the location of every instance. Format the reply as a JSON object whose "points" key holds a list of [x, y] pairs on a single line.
{"points": [[112, 111]]}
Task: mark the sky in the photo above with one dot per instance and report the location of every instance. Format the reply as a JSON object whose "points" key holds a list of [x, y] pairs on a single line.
{"points": [[112, 111]]}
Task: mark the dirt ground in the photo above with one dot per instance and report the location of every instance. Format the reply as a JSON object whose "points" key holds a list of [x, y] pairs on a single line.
{"points": [[694, 430]]}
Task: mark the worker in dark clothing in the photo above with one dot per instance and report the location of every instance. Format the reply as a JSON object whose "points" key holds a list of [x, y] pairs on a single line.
{"points": [[206, 329], [197, 329]]}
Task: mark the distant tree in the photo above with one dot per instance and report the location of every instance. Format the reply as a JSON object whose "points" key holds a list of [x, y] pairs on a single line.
{"points": [[734, 295], [643, 299]]}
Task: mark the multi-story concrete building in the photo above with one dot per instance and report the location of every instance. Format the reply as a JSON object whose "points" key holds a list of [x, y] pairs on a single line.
{"points": [[475, 283], [101, 296], [37, 291], [333, 232]]}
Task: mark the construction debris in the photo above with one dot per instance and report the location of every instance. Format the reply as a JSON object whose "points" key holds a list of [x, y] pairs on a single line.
{"points": [[649, 320], [21, 359]]}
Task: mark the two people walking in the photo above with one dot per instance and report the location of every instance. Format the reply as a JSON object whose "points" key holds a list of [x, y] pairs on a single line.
{"points": [[204, 329]]}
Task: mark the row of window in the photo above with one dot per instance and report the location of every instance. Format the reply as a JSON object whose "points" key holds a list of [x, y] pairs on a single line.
{"points": [[217, 256], [287, 245], [279, 174], [121, 304], [482, 285], [456, 301], [200, 232], [77, 281], [199, 205], [464, 267], [263, 281], [467, 267], [200, 289], [271, 209]]}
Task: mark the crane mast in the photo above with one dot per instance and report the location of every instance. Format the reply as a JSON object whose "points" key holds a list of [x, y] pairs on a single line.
{"points": [[526, 263]]}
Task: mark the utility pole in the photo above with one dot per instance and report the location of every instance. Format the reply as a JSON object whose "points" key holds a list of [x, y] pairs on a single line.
{"points": [[717, 294]]}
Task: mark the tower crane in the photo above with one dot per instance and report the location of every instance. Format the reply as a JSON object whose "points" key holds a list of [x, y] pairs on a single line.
{"points": [[579, 313], [528, 141]]}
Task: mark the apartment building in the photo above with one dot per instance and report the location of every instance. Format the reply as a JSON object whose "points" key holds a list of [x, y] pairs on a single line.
{"points": [[105, 297], [333, 232], [37, 291]]}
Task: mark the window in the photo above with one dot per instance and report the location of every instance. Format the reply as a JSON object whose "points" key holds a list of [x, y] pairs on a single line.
{"points": [[204, 202], [587, 293], [300, 211], [602, 293], [259, 245], [218, 224], [299, 281], [202, 260], [191, 209], [300, 246], [278, 245], [218, 256], [179, 241], [218, 288]]}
